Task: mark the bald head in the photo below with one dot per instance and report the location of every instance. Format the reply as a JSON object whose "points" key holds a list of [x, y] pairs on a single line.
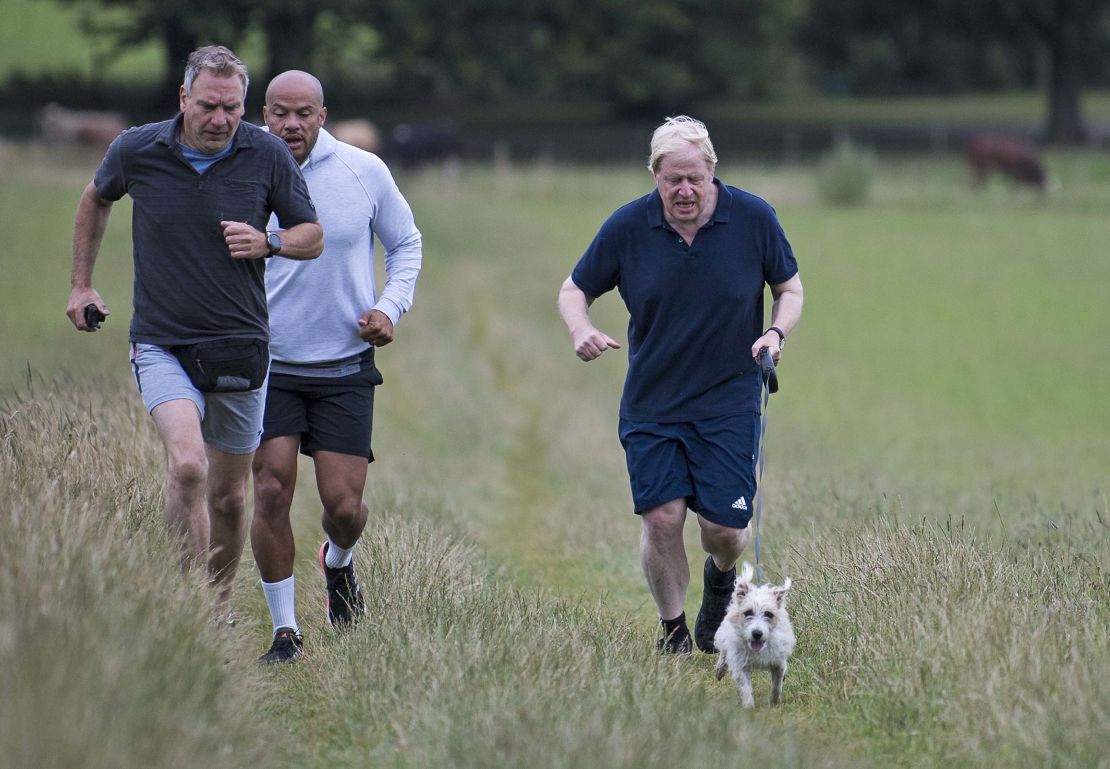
{"points": [[295, 111], [298, 80]]}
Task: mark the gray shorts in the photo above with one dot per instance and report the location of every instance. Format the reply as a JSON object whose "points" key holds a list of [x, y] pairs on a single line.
{"points": [[230, 422]]}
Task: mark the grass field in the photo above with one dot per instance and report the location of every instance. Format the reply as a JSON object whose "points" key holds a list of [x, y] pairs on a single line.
{"points": [[936, 487]]}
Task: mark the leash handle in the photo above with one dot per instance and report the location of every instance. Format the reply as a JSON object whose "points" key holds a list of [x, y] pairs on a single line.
{"points": [[767, 365]]}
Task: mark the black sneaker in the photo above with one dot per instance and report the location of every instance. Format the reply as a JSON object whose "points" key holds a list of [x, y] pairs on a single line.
{"points": [[287, 646], [678, 642], [345, 602], [716, 594]]}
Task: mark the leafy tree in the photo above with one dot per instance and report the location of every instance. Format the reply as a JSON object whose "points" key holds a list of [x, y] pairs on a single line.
{"points": [[289, 26], [883, 47], [1070, 31], [888, 46], [181, 28], [640, 55]]}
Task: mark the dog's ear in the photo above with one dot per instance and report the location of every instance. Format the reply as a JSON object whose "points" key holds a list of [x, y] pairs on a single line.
{"points": [[743, 581], [780, 593], [747, 571]]}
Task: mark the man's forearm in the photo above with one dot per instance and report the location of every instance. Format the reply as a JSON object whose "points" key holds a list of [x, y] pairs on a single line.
{"points": [[302, 241], [402, 266], [786, 310], [88, 233], [574, 306]]}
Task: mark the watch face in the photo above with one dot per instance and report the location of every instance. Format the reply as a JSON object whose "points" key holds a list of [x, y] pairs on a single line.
{"points": [[274, 241]]}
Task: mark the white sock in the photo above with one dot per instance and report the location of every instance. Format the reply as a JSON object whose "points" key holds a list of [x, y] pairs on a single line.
{"points": [[280, 598], [338, 557]]}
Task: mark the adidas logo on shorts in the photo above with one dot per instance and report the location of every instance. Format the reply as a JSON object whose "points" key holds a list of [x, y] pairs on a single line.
{"points": [[740, 504]]}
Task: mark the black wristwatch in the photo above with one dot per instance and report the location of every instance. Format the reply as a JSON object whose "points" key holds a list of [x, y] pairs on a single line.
{"points": [[273, 240], [782, 336]]}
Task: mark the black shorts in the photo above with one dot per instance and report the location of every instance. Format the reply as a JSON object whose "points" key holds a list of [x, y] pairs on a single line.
{"points": [[328, 413]]}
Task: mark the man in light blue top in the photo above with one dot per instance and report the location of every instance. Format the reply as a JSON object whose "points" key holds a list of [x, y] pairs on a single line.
{"points": [[324, 326]]}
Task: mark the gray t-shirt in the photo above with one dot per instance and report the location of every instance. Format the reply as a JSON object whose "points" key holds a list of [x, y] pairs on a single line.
{"points": [[187, 287]]}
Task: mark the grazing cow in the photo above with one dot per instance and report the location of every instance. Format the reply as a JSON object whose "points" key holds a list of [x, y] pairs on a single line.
{"points": [[359, 132], [415, 144], [80, 127], [1008, 155]]}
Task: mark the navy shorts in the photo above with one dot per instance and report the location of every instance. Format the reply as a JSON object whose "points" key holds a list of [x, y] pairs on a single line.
{"points": [[328, 413], [709, 462]]}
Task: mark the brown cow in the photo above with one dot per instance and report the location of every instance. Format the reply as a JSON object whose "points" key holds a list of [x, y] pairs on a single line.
{"points": [[359, 132], [1008, 155], [80, 127]]}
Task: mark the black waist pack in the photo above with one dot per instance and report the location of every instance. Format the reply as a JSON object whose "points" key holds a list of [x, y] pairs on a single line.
{"points": [[225, 365]]}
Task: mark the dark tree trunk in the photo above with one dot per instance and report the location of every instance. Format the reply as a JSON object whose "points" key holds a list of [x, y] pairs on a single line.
{"points": [[290, 38], [180, 41], [1065, 108]]}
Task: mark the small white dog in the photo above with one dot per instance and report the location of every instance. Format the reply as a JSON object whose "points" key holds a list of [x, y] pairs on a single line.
{"points": [[755, 635]]}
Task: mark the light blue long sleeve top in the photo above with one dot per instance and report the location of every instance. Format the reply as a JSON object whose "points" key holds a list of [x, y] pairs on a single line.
{"points": [[315, 305]]}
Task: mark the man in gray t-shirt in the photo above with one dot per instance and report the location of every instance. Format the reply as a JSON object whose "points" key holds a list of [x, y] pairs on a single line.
{"points": [[203, 187]]}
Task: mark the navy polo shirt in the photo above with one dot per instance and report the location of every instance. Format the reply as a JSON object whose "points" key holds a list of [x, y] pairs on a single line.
{"points": [[187, 287], [694, 310]]}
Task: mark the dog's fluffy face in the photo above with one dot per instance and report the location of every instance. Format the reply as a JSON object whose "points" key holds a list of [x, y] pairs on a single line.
{"points": [[757, 611]]}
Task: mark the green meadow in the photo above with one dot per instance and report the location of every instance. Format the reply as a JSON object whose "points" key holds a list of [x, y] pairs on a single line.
{"points": [[936, 487]]}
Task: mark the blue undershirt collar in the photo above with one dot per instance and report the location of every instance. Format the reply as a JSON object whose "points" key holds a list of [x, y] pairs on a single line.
{"points": [[201, 161]]}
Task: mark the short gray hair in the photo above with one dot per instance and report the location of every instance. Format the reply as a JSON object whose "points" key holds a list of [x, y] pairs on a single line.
{"points": [[217, 59], [674, 134]]}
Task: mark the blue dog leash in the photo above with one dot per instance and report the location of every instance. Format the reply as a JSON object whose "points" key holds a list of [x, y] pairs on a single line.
{"points": [[769, 383]]}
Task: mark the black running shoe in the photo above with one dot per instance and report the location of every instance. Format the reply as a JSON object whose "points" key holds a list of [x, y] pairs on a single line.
{"points": [[716, 594], [345, 602], [678, 642], [287, 646]]}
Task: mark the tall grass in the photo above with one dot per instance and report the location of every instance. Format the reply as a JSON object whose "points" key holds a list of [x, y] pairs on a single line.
{"points": [[111, 657], [935, 488], [996, 649]]}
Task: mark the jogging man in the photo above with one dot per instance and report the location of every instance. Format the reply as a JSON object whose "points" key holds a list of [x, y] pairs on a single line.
{"points": [[325, 322], [203, 186], [691, 260]]}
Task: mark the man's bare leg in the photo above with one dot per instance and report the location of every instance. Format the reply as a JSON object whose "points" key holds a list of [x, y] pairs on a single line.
{"points": [[186, 514], [227, 507]]}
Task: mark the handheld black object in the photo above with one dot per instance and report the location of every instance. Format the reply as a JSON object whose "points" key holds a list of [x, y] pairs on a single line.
{"points": [[767, 364], [93, 316]]}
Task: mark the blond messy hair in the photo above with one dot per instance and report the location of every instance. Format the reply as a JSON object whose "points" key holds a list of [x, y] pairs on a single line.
{"points": [[674, 133]]}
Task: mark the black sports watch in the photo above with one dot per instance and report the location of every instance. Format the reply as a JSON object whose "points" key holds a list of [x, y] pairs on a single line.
{"points": [[782, 336], [273, 240]]}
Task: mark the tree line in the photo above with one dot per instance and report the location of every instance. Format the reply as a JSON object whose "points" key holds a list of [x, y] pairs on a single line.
{"points": [[648, 56]]}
